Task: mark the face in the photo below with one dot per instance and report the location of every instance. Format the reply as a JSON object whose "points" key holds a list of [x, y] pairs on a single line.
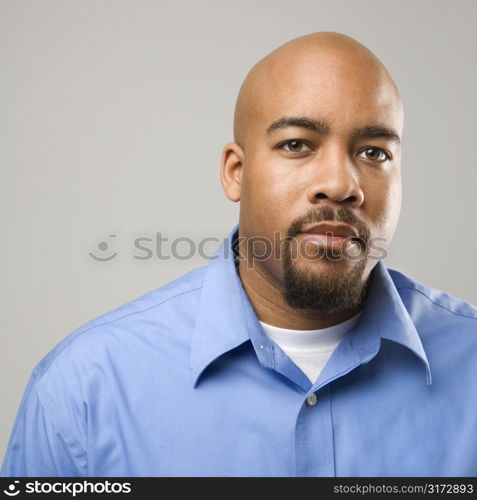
{"points": [[322, 146]]}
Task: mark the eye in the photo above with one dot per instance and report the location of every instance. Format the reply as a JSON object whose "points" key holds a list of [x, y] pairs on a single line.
{"points": [[375, 154], [294, 146]]}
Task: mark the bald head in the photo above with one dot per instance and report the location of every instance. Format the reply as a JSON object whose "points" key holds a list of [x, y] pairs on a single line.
{"points": [[323, 58]]}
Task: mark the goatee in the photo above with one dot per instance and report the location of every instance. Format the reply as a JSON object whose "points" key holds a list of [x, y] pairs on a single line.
{"points": [[334, 285]]}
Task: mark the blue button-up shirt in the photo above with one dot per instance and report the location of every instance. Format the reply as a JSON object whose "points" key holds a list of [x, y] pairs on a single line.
{"points": [[183, 382]]}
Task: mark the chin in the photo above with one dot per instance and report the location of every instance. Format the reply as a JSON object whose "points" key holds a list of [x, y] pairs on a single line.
{"points": [[328, 286]]}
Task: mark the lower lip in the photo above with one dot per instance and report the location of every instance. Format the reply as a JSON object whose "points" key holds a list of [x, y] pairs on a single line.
{"points": [[327, 240]]}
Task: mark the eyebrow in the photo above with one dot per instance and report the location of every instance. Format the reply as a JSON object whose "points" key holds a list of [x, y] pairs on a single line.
{"points": [[370, 131], [373, 131], [298, 121]]}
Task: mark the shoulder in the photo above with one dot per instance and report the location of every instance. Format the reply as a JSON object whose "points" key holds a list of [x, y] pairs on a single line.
{"points": [[143, 319], [419, 297]]}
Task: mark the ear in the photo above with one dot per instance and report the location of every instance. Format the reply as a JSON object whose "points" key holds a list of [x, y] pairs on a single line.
{"points": [[231, 170]]}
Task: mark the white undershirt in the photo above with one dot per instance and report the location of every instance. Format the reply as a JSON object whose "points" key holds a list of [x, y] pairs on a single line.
{"points": [[310, 349]]}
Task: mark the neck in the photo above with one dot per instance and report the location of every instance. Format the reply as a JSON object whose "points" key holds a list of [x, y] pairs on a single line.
{"points": [[265, 295]]}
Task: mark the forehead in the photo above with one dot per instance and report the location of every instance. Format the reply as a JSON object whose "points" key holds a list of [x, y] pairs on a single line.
{"points": [[345, 92]]}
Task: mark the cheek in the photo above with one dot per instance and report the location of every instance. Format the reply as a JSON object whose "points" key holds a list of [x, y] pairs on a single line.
{"points": [[389, 202], [266, 197], [269, 176]]}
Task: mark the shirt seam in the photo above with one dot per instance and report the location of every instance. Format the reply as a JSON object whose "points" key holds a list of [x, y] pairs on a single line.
{"points": [[73, 440], [436, 303], [107, 323], [333, 437]]}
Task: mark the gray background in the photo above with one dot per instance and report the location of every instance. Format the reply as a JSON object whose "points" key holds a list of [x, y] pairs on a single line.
{"points": [[113, 118]]}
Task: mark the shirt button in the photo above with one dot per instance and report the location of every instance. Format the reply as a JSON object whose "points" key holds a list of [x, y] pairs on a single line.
{"points": [[311, 400]]}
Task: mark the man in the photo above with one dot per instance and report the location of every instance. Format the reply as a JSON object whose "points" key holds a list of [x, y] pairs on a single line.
{"points": [[295, 351]]}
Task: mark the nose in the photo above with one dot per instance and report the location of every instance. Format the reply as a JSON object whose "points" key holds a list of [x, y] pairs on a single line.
{"points": [[334, 177]]}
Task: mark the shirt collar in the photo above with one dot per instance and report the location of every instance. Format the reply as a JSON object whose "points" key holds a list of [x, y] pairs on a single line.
{"points": [[226, 318], [220, 324], [390, 316]]}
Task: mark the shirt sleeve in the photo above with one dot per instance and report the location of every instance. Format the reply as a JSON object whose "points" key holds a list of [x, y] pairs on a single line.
{"points": [[39, 445]]}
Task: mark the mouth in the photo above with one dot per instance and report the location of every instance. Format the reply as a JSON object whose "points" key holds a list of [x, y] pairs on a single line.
{"points": [[334, 236]]}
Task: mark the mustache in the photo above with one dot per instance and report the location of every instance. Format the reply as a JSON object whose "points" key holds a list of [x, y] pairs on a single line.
{"points": [[327, 214]]}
